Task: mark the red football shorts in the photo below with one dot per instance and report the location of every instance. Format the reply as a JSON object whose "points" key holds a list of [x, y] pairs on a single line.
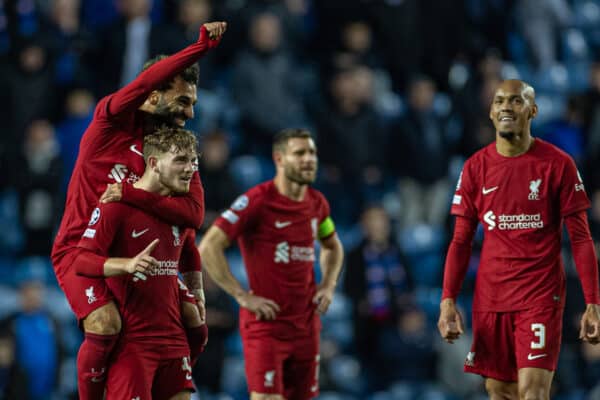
{"points": [[286, 367], [147, 375], [83, 294], [504, 342]]}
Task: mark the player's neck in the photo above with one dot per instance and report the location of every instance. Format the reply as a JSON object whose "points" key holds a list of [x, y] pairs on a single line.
{"points": [[289, 189], [149, 184], [515, 146]]}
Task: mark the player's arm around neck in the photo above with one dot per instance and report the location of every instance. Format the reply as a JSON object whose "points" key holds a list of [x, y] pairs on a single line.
{"points": [[331, 260]]}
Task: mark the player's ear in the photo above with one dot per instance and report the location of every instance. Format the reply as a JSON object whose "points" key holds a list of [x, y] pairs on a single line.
{"points": [[277, 157], [533, 111], [152, 163], [154, 97]]}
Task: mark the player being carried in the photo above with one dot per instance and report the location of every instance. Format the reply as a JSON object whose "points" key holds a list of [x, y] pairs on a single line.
{"points": [[110, 153], [521, 189], [141, 254], [276, 224]]}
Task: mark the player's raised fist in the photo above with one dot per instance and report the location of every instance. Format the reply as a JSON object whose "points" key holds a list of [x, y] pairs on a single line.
{"points": [[213, 32]]}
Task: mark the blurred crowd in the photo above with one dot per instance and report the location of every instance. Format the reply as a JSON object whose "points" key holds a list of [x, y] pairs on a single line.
{"points": [[397, 94]]}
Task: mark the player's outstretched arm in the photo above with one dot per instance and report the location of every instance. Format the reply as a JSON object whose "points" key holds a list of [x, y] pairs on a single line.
{"points": [[212, 252], [133, 95], [331, 260], [186, 210]]}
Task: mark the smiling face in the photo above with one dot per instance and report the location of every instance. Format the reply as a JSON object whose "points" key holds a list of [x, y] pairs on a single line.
{"points": [[175, 105], [175, 169], [513, 108]]}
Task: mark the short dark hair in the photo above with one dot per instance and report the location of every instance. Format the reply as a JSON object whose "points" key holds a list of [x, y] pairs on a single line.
{"points": [[191, 74], [280, 140], [167, 138]]}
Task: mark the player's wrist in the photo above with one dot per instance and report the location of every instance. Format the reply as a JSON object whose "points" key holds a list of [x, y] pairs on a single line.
{"points": [[447, 302]]}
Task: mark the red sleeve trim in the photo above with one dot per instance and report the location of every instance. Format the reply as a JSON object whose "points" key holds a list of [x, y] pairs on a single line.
{"points": [[584, 255], [90, 264], [457, 259]]}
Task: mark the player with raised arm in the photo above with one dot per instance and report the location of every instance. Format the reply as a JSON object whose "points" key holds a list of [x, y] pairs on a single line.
{"points": [[110, 153], [140, 254], [276, 224], [521, 189]]}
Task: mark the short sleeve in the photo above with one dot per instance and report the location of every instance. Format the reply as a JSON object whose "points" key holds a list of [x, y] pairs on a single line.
{"points": [[572, 194], [242, 214], [463, 201], [101, 229]]}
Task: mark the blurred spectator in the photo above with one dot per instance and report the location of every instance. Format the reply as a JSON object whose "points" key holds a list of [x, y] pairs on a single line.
{"points": [[388, 327], [125, 45], [13, 381], [219, 186], [541, 22], [567, 131], [170, 38], [266, 86], [26, 93], [38, 181], [222, 321], [421, 135], [351, 140], [69, 42], [79, 107], [37, 349]]}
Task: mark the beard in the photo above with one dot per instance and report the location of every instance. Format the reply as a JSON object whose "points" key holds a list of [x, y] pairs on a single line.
{"points": [[508, 135], [297, 177], [165, 115]]}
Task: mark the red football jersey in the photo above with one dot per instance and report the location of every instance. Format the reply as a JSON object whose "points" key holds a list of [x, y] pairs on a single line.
{"points": [[149, 304], [276, 236], [111, 151], [520, 202]]}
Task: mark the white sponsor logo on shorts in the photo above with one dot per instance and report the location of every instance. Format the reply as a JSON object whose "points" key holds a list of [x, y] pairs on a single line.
{"points": [[187, 367], [535, 357], [270, 378], [89, 292], [470, 361]]}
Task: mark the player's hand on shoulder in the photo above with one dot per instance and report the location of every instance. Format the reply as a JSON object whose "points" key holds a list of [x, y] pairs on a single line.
{"points": [[213, 32], [143, 262], [323, 297], [450, 324], [263, 308], [590, 324], [113, 192]]}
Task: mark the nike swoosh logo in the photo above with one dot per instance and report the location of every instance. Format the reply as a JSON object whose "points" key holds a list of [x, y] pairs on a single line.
{"points": [[488, 190], [135, 234], [136, 151], [188, 377], [532, 357], [279, 224]]}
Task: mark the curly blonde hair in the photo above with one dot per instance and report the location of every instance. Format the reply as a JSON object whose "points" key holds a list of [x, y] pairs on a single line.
{"points": [[169, 139]]}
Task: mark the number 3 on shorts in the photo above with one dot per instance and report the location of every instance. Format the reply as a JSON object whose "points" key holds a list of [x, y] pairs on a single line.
{"points": [[539, 330]]}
